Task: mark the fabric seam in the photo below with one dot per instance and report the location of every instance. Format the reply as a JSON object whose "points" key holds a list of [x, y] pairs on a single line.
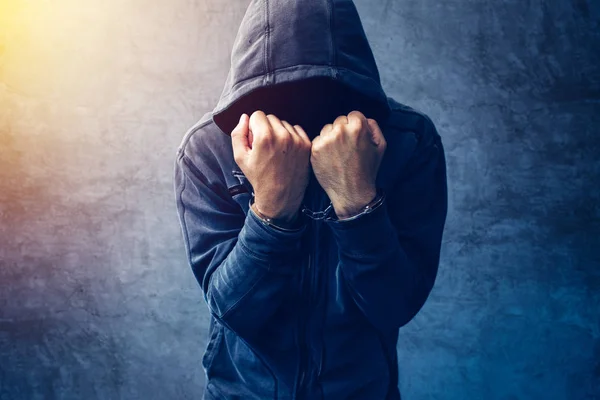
{"points": [[267, 43], [183, 212], [186, 138], [337, 68], [254, 255], [332, 35], [234, 306]]}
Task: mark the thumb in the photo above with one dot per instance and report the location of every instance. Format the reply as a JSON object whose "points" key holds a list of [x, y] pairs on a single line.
{"points": [[376, 135], [239, 137]]}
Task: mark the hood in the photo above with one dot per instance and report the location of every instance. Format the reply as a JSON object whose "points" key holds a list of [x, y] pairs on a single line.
{"points": [[294, 58]]}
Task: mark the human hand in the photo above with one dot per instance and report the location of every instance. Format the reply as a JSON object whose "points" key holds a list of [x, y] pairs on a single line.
{"points": [[275, 157], [345, 158]]}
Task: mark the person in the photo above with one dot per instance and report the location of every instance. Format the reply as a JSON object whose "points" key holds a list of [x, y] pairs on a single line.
{"points": [[312, 207]]}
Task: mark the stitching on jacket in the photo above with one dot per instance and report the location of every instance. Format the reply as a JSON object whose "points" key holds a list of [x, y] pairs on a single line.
{"points": [[292, 67], [266, 46], [217, 339], [186, 138], [234, 305], [254, 255], [330, 8], [183, 212], [190, 164]]}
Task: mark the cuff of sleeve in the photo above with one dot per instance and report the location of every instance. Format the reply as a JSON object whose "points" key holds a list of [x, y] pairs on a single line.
{"points": [[267, 244], [366, 235]]}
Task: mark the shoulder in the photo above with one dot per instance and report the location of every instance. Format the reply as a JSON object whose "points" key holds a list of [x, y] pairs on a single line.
{"points": [[200, 139], [406, 119], [412, 140], [206, 148]]}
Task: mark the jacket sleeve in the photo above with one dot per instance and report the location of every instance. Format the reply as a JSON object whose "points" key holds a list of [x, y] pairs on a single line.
{"points": [[243, 266], [389, 257]]}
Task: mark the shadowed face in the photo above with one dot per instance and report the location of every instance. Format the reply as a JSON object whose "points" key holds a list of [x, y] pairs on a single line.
{"points": [[310, 103]]}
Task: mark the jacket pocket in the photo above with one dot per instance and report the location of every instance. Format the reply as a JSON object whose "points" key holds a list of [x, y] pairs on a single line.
{"points": [[235, 370]]}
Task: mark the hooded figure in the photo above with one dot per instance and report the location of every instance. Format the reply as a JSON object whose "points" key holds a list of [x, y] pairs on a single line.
{"points": [[313, 312]]}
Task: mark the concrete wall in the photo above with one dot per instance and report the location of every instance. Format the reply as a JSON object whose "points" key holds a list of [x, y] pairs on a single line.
{"points": [[96, 298]]}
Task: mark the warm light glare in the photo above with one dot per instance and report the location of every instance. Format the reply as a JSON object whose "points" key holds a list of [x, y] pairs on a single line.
{"points": [[84, 85], [53, 48]]}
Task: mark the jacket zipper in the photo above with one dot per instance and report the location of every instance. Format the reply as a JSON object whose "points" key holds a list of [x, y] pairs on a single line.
{"points": [[317, 320], [308, 287], [303, 342]]}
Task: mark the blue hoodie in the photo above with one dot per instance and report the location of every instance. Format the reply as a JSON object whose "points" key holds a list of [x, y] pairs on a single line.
{"points": [[311, 313]]}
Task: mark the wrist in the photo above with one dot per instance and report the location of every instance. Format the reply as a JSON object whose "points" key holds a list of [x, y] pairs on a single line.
{"points": [[283, 220], [281, 216], [351, 207]]}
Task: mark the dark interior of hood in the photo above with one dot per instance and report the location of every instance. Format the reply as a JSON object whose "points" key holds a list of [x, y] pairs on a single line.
{"points": [[310, 103]]}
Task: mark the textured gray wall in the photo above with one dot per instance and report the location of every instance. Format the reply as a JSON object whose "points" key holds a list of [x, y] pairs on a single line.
{"points": [[96, 298]]}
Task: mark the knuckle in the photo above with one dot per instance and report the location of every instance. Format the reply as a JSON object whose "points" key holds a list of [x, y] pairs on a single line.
{"points": [[264, 136], [353, 130], [296, 139], [357, 118], [306, 144], [337, 129], [282, 130], [340, 119], [327, 128], [257, 114], [282, 136], [357, 114], [316, 146], [356, 129]]}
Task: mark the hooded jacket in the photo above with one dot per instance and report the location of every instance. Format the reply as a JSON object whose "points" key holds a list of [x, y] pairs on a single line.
{"points": [[312, 313]]}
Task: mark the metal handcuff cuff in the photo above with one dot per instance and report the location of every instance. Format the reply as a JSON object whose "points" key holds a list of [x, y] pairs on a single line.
{"points": [[326, 215]]}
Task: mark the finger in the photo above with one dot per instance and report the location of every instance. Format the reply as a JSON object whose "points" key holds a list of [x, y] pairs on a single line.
{"points": [[326, 129], [259, 124], [341, 120], [278, 128], [293, 131], [289, 127], [375, 133], [302, 133], [315, 144], [339, 123], [357, 120], [239, 137]]}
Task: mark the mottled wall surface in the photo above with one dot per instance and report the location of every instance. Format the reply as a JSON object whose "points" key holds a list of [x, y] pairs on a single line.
{"points": [[96, 298]]}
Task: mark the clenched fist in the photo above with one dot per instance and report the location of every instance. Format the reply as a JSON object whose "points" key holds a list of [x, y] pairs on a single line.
{"points": [[345, 158], [275, 157]]}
